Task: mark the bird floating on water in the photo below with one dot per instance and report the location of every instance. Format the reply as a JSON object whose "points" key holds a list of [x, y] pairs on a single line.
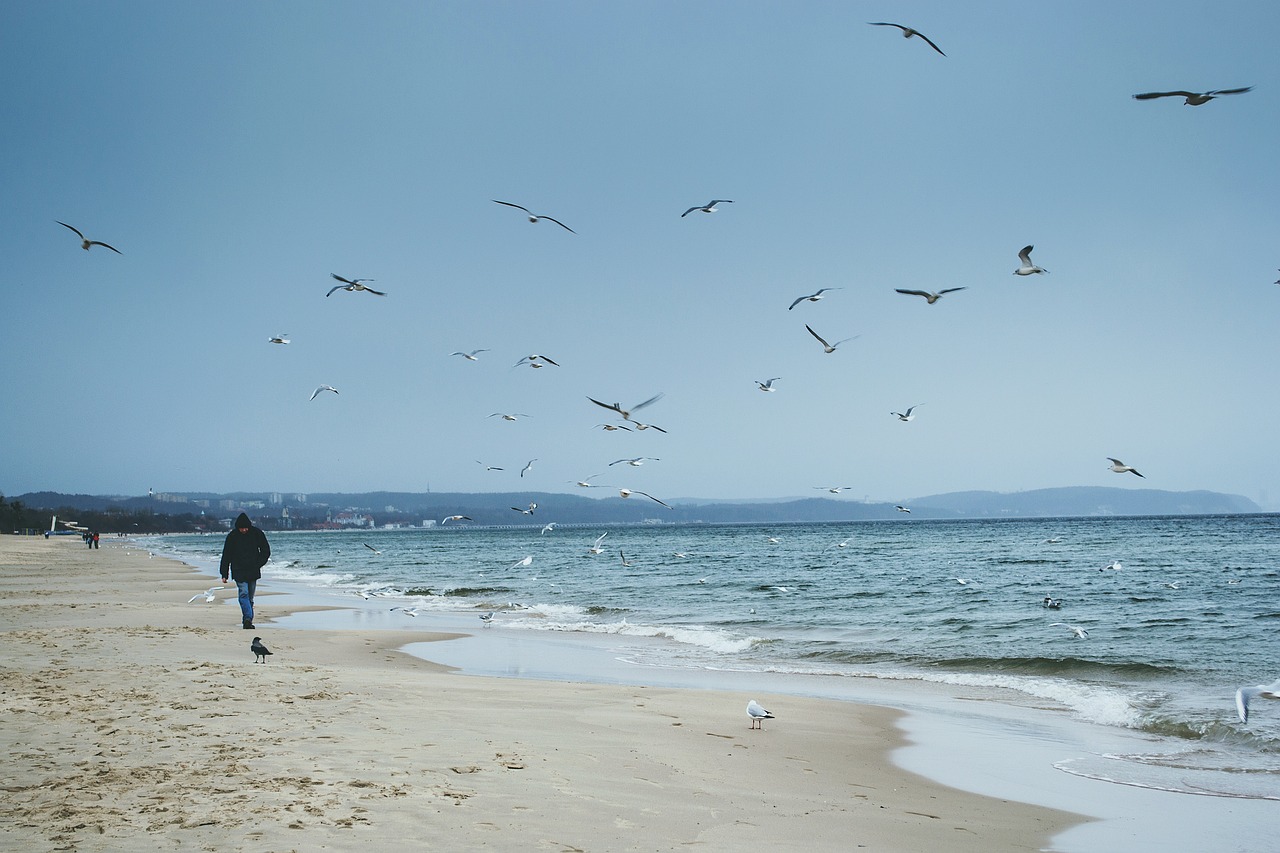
{"points": [[757, 714], [1114, 565], [1052, 603], [1121, 468], [85, 242], [1245, 694], [828, 348], [352, 284], [534, 217], [321, 389], [1027, 267], [907, 32], [260, 651], [812, 297], [929, 297], [709, 207], [1193, 99]]}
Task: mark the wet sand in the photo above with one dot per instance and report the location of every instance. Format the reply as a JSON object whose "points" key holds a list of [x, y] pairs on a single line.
{"points": [[134, 720]]}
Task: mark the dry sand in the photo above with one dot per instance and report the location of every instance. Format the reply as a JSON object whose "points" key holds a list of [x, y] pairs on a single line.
{"points": [[135, 721]]}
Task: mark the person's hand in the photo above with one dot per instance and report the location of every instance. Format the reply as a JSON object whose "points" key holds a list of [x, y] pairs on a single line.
{"points": [[224, 580]]}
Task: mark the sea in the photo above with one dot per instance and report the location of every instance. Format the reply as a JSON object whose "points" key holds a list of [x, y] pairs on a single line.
{"points": [[1157, 620]]}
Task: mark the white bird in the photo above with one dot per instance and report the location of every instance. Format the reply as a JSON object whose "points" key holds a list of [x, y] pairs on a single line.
{"points": [[524, 561], [1245, 694], [1193, 99], [448, 518], [85, 242], [470, 356], [532, 506], [527, 466], [1081, 633], [1121, 468], [536, 361], [835, 490], [964, 581], [626, 564], [757, 714], [626, 493], [1027, 267], [637, 461], [767, 385], [907, 416], [586, 483], [828, 348], [1052, 603], [901, 508], [534, 217], [352, 284], [612, 427], [279, 339], [408, 611], [709, 207], [812, 297], [929, 297], [550, 525], [595, 547], [1114, 565], [626, 413], [510, 416], [641, 426], [371, 548], [907, 32], [774, 540], [321, 389], [208, 594], [487, 618]]}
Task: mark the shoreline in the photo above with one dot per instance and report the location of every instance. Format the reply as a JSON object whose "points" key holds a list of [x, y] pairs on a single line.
{"points": [[122, 701]]}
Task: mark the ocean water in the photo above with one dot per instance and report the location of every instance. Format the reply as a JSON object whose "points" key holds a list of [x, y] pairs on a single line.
{"points": [[1192, 613]]}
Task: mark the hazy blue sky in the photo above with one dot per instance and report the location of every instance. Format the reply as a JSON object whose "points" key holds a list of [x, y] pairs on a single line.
{"points": [[239, 153]]}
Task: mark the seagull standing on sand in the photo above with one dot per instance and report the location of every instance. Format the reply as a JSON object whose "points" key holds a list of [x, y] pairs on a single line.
{"points": [[812, 297], [487, 618], [1245, 694], [907, 416], [85, 242], [1121, 468], [321, 389], [352, 284], [930, 297], [534, 217], [207, 595], [907, 32], [260, 651], [1193, 99], [828, 348], [1027, 267], [758, 715], [709, 207], [1081, 633]]}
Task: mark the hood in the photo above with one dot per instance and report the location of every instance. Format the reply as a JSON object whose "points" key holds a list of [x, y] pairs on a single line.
{"points": [[242, 520]]}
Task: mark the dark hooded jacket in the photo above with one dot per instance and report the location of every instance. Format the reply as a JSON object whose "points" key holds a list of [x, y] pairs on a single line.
{"points": [[244, 554]]}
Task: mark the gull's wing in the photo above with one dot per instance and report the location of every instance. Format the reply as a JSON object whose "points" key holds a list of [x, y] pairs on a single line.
{"points": [[72, 227], [1243, 695], [914, 292], [686, 213], [649, 426], [1146, 96], [884, 24], [950, 290], [543, 357], [343, 280], [371, 290], [613, 407], [336, 287], [716, 201], [1025, 256], [509, 204], [638, 406], [929, 42], [1229, 91], [801, 299], [816, 335], [104, 245], [561, 224], [652, 498]]}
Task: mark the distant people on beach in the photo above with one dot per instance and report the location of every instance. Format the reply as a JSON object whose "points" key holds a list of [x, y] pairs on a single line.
{"points": [[244, 553], [95, 539]]}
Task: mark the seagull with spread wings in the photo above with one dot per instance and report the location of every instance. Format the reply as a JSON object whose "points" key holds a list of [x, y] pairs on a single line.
{"points": [[85, 242], [470, 356], [930, 297], [709, 207], [626, 493], [534, 217], [828, 348], [907, 32], [1121, 468], [1193, 99], [352, 284], [812, 297], [1027, 267], [626, 413], [321, 389]]}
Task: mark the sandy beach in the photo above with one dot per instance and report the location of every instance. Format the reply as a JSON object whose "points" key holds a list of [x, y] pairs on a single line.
{"points": [[134, 720]]}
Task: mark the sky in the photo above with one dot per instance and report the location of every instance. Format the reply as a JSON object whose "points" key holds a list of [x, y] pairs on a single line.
{"points": [[238, 154]]}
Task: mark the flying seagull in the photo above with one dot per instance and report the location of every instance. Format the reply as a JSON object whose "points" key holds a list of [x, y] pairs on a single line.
{"points": [[907, 416], [532, 506], [901, 508], [260, 651], [648, 426], [207, 595], [352, 284], [595, 547], [758, 715], [835, 490], [85, 242], [767, 385], [371, 548], [1027, 267], [536, 361], [813, 297], [548, 527], [454, 518], [1081, 633], [930, 297], [534, 217], [626, 493], [522, 562], [1121, 468], [279, 339], [510, 416], [611, 427], [470, 356], [626, 413], [317, 392], [637, 461], [487, 618], [1193, 99], [585, 482], [1244, 694], [528, 465], [490, 467], [828, 348], [1114, 565], [709, 207], [907, 32]]}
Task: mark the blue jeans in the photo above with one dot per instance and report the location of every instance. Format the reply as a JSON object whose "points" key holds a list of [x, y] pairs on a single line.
{"points": [[246, 589]]}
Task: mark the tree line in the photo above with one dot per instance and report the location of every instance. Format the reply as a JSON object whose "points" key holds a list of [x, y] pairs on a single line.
{"points": [[16, 517]]}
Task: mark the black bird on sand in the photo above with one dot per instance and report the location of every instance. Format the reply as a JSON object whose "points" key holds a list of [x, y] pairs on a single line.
{"points": [[260, 651]]}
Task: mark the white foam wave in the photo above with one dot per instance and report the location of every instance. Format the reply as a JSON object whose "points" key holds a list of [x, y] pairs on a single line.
{"points": [[710, 639]]}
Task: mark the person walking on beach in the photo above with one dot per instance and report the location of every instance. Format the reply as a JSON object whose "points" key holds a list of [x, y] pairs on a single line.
{"points": [[243, 555]]}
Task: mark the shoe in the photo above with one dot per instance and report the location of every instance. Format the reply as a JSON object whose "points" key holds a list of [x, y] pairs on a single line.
{"points": [[247, 624]]}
